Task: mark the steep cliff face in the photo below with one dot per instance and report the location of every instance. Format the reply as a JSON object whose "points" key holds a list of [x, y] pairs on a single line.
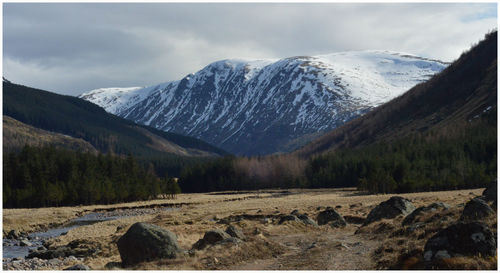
{"points": [[268, 106]]}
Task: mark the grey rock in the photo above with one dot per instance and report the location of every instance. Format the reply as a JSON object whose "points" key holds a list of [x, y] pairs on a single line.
{"points": [[288, 218], [25, 243], [13, 234], [235, 232], [412, 217], [476, 209], [213, 236], [389, 209], [146, 242], [461, 239], [306, 220], [332, 217], [78, 267], [295, 212]]}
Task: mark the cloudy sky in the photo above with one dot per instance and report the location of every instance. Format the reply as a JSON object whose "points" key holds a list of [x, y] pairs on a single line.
{"points": [[73, 48]]}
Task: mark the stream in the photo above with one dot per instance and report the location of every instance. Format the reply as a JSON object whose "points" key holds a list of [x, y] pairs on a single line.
{"points": [[13, 249]]}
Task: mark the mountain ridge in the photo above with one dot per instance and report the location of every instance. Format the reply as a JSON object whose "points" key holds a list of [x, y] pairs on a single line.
{"points": [[266, 106]]}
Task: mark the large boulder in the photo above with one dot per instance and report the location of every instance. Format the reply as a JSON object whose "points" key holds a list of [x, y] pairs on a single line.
{"points": [[413, 217], [332, 217], [490, 193], [461, 239], [145, 242], [389, 209], [476, 209]]}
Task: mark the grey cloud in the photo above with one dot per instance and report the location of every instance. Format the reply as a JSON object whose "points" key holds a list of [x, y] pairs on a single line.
{"points": [[71, 48]]}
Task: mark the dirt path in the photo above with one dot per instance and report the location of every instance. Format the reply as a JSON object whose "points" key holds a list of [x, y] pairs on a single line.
{"points": [[338, 249]]}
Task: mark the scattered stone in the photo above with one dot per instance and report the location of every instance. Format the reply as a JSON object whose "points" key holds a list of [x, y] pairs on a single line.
{"points": [[306, 220], [235, 232], [265, 221], [356, 205], [389, 209], [211, 237], [461, 239], [62, 252], [188, 222], [78, 267], [476, 209], [332, 217], [412, 217], [295, 212], [25, 243], [257, 231], [13, 234], [338, 207], [490, 193], [119, 228], [286, 218], [146, 242]]}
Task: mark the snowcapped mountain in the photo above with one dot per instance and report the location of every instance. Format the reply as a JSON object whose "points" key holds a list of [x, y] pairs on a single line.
{"points": [[267, 106]]}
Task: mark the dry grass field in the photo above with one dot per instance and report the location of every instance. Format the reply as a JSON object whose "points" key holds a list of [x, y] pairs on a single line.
{"points": [[269, 246]]}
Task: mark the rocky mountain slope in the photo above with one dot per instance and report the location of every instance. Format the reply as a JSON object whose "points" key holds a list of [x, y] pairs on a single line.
{"points": [[268, 106]]}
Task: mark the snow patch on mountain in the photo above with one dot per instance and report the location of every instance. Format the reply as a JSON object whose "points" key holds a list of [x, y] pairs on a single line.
{"points": [[257, 106]]}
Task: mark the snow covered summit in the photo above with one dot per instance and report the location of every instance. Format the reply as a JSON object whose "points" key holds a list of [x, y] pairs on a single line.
{"points": [[267, 106]]}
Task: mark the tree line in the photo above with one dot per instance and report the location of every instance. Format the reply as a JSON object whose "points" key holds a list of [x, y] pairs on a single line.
{"points": [[47, 176], [444, 159]]}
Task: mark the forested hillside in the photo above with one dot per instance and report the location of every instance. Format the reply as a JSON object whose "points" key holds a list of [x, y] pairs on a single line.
{"points": [[46, 176], [81, 119]]}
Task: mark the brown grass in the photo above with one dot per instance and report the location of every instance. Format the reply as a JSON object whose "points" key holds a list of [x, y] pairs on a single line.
{"points": [[381, 245]]}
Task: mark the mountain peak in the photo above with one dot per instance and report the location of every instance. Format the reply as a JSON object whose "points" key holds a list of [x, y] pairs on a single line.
{"points": [[266, 106]]}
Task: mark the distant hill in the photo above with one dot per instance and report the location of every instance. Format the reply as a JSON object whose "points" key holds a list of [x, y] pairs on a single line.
{"points": [[452, 99], [80, 119], [17, 134]]}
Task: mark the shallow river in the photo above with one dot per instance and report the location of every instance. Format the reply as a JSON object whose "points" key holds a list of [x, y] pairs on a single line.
{"points": [[12, 249]]}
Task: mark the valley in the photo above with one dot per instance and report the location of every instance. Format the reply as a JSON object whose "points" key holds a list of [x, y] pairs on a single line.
{"points": [[356, 160], [268, 244]]}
